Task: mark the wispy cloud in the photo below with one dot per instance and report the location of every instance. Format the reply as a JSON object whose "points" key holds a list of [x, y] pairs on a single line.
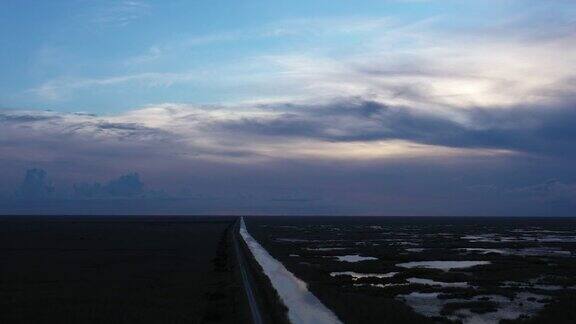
{"points": [[120, 13], [315, 27], [418, 65], [59, 89]]}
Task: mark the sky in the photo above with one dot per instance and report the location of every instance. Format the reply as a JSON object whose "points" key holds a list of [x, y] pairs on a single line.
{"points": [[388, 107]]}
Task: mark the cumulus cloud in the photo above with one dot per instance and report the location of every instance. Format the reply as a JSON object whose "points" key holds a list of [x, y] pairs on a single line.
{"points": [[125, 186], [35, 185]]}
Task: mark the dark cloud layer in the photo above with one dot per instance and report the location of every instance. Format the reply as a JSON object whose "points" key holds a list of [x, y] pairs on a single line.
{"points": [[214, 162], [548, 130]]}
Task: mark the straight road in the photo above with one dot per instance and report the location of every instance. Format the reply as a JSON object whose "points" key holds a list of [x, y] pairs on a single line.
{"points": [[246, 278]]}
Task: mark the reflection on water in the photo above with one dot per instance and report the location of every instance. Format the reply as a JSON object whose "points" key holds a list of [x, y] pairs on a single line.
{"points": [[303, 306], [442, 265]]}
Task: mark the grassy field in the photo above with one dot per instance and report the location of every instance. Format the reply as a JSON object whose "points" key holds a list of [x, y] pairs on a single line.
{"points": [[109, 269]]}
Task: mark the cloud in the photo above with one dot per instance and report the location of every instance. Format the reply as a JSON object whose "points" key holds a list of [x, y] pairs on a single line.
{"points": [[349, 128], [61, 88], [120, 13], [442, 73], [422, 64], [413, 118], [35, 186], [347, 156], [125, 186], [78, 141], [545, 130], [317, 27]]}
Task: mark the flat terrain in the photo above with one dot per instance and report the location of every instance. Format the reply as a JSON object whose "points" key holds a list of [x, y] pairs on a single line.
{"points": [[108, 269], [434, 269]]}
